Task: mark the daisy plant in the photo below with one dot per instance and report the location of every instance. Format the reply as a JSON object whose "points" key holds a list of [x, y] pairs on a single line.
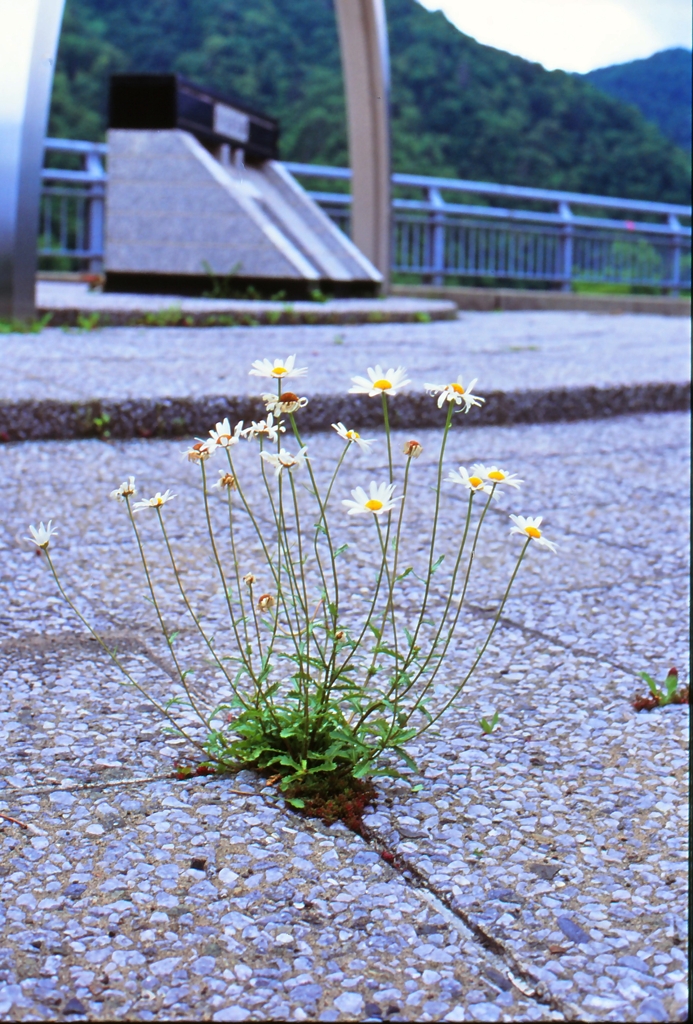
{"points": [[311, 680]]}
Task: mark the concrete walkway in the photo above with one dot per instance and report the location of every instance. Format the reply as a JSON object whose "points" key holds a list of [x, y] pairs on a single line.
{"points": [[531, 367], [73, 303], [539, 873]]}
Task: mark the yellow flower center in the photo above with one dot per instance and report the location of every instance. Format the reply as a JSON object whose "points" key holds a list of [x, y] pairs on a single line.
{"points": [[382, 385], [457, 388], [374, 505], [476, 481], [353, 435], [532, 531], [279, 371], [496, 474]]}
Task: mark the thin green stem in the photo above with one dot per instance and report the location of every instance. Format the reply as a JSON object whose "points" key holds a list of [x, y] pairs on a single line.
{"points": [[164, 630], [114, 658], [222, 576], [191, 612], [386, 422], [483, 649]]}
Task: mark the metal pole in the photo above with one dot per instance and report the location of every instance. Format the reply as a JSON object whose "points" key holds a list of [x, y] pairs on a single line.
{"points": [[566, 246], [29, 31], [365, 65], [95, 208], [437, 236], [675, 226]]}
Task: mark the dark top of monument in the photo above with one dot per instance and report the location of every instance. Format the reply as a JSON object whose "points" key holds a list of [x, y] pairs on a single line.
{"points": [[169, 101]]}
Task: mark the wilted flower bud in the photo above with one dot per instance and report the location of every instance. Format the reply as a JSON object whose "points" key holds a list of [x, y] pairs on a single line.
{"points": [[265, 602], [249, 579], [412, 449], [227, 480], [288, 402], [126, 489], [340, 634], [198, 452]]}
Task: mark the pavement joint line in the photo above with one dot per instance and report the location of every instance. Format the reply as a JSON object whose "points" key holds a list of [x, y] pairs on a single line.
{"points": [[516, 970], [539, 635], [518, 973]]}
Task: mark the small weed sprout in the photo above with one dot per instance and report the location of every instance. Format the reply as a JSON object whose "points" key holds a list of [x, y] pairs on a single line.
{"points": [[489, 727], [662, 694], [316, 685]]}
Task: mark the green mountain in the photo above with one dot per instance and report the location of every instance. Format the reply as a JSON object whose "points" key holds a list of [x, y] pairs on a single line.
{"points": [[459, 109], [659, 86]]}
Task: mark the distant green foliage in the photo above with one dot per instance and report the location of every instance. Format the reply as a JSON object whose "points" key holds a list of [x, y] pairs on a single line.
{"points": [[659, 86], [459, 109]]}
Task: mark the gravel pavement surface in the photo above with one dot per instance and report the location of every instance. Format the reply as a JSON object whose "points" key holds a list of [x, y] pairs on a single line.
{"points": [[506, 351], [538, 874]]}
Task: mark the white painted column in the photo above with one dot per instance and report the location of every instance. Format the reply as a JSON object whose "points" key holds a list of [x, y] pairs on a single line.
{"points": [[366, 69], [29, 32]]}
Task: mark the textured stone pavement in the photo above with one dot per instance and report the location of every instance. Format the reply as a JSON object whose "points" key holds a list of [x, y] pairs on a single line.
{"points": [[506, 351], [543, 868]]}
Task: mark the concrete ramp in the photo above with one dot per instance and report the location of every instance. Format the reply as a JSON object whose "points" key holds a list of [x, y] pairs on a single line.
{"points": [[180, 221]]}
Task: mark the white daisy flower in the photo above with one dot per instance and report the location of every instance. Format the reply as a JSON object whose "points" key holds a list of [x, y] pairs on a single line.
{"points": [[380, 381], [378, 501], [495, 475], [201, 450], [223, 437], [279, 369], [352, 435], [285, 460], [528, 526], [287, 403], [126, 489], [157, 501], [456, 392], [265, 428], [471, 481], [41, 537]]}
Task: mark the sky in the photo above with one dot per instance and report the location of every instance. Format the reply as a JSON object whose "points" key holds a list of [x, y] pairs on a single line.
{"points": [[573, 35]]}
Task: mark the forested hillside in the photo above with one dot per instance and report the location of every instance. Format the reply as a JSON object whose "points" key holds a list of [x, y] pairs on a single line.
{"points": [[659, 86], [459, 108]]}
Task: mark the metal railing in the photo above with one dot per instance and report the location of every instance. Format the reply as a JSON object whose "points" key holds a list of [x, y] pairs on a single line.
{"points": [[72, 204], [577, 239]]}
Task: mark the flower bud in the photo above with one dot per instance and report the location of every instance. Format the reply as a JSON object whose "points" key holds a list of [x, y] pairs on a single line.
{"points": [[340, 634], [412, 449], [249, 579], [265, 602], [198, 452]]}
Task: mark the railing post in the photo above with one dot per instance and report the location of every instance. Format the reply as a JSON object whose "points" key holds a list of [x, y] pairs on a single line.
{"points": [[437, 221], [675, 249], [566, 266], [95, 213]]}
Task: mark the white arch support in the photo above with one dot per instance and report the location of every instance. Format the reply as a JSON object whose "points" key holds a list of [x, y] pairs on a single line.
{"points": [[366, 68], [29, 31]]}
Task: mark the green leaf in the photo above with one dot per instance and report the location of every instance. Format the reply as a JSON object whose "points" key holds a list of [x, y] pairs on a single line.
{"points": [[487, 726], [671, 683], [651, 683], [403, 575], [438, 562], [409, 761], [295, 801]]}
